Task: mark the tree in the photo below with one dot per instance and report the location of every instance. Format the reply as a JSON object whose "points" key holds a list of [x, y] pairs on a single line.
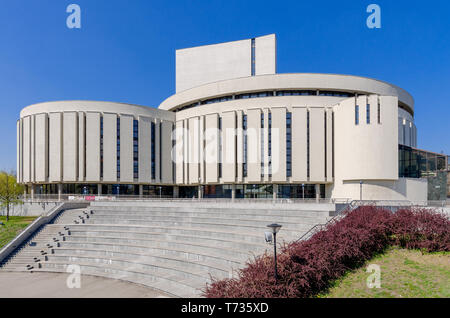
{"points": [[10, 191]]}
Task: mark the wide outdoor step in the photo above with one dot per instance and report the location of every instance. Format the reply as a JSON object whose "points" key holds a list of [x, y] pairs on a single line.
{"points": [[164, 247], [147, 232], [295, 230], [227, 211], [248, 227], [69, 216], [198, 262], [206, 218], [15, 268], [238, 246], [212, 215], [167, 283], [186, 270]]}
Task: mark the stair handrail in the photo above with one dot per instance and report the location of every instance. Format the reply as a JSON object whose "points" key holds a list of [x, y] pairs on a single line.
{"points": [[338, 216]]}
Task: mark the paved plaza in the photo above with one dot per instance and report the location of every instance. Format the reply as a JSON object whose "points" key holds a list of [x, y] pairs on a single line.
{"points": [[53, 285]]}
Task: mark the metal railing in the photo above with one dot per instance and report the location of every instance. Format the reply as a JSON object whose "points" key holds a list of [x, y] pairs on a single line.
{"points": [[338, 216], [404, 203], [51, 198]]}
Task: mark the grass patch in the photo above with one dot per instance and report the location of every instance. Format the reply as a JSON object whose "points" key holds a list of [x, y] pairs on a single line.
{"points": [[404, 273], [13, 227]]}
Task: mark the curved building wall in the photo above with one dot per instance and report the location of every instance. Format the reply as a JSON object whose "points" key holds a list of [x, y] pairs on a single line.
{"points": [[321, 140], [245, 152], [305, 81], [94, 142]]}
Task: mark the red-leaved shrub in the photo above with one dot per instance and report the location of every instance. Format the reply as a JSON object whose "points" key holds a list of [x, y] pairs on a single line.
{"points": [[421, 229], [307, 268]]}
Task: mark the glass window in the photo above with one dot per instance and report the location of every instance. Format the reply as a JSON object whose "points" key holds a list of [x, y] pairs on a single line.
{"points": [[307, 145], [270, 144], [288, 144], [135, 149], [118, 148], [244, 128], [220, 147], [379, 112], [153, 154], [262, 144]]}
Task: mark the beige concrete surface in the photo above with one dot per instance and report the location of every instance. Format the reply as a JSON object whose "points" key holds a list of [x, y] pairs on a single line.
{"points": [[53, 285]]}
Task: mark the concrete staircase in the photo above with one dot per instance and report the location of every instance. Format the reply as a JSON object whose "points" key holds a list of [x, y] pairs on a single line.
{"points": [[174, 247]]}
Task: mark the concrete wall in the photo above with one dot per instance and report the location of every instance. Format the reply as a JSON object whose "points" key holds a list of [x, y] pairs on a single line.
{"points": [[55, 148], [265, 55], [70, 146], [145, 149], [59, 142], [211, 63], [366, 151], [41, 149], [92, 146], [278, 144], [401, 189]]}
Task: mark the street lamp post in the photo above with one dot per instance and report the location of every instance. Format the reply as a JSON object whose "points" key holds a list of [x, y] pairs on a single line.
{"points": [[275, 228]]}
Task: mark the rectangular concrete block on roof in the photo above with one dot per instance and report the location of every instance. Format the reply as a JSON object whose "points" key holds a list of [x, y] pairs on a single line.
{"points": [[211, 63]]}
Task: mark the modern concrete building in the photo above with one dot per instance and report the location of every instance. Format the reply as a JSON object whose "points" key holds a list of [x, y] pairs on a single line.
{"points": [[234, 128]]}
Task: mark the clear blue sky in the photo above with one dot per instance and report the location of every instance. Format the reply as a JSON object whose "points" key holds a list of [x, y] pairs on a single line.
{"points": [[125, 50]]}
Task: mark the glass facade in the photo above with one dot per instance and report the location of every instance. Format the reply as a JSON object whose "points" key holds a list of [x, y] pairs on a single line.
{"points": [[266, 94], [297, 93], [262, 144], [298, 191], [215, 100], [254, 95], [188, 192], [335, 94], [415, 163], [156, 191], [254, 191], [217, 191]]}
